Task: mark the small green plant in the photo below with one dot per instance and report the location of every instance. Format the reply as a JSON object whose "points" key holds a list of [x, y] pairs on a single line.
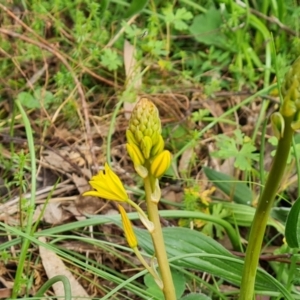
{"points": [[239, 147], [146, 149]]}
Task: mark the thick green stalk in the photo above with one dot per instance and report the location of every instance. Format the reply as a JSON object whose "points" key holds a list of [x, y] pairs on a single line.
{"points": [[159, 245], [262, 213]]}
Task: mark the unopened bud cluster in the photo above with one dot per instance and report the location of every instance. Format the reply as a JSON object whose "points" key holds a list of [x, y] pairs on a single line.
{"points": [[145, 144], [291, 94]]}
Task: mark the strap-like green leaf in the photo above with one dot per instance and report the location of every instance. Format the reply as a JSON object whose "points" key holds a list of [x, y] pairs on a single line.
{"points": [[292, 232], [237, 190], [135, 7], [216, 260]]}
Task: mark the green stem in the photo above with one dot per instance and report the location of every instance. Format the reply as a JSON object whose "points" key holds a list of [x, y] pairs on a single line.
{"points": [[63, 279], [159, 245], [262, 213], [30, 209]]}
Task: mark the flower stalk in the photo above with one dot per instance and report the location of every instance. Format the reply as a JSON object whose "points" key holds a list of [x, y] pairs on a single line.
{"points": [[284, 125]]}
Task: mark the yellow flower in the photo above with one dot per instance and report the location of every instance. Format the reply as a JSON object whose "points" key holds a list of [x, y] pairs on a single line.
{"points": [[129, 233], [160, 164], [107, 185]]}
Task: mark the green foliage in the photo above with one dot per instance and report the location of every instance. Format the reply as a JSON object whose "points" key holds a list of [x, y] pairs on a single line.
{"points": [[178, 18], [153, 289], [194, 296], [110, 59], [206, 28], [240, 147], [135, 7], [292, 232], [274, 142], [184, 46], [199, 252], [40, 98], [237, 190]]}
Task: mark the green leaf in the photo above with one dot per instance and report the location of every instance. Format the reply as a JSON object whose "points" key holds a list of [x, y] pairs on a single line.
{"points": [[153, 289], [195, 296], [178, 18], [45, 97], [242, 215], [292, 232], [28, 101], [206, 29], [215, 259], [110, 59], [135, 7], [228, 148], [103, 6], [235, 189]]}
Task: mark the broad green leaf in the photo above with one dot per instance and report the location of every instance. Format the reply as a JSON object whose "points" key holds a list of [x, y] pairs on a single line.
{"points": [[28, 101], [135, 7], [153, 289], [44, 97], [216, 260], [235, 189], [242, 215], [206, 29], [195, 296], [292, 227]]}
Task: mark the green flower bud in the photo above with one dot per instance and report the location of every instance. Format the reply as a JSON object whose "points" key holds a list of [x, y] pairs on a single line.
{"points": [[144, 127], [277, 123], [296, 124], [160, 164], [291, 90]]}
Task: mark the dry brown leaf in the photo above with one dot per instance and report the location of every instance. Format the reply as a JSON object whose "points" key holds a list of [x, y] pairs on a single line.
{"points": [[66, 157], [54, 213], [5, 293], [54, 266], [58, 161], [185, 160], [133, 74], [81, 183], [86, 205]]}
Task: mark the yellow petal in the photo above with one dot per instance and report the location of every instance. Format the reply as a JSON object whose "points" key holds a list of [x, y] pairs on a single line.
{"points": [[107, 185], [129, 233], [115, 182], [106, 191]]}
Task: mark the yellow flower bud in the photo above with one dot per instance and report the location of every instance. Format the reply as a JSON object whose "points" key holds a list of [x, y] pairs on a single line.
{"points": [[146, 146], [159, 147], [160, 164], [291, 90], [135, 154], [129, 233]]}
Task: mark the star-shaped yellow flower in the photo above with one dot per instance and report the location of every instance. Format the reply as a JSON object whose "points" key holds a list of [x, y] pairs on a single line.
{"points": [[107, 185]]}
